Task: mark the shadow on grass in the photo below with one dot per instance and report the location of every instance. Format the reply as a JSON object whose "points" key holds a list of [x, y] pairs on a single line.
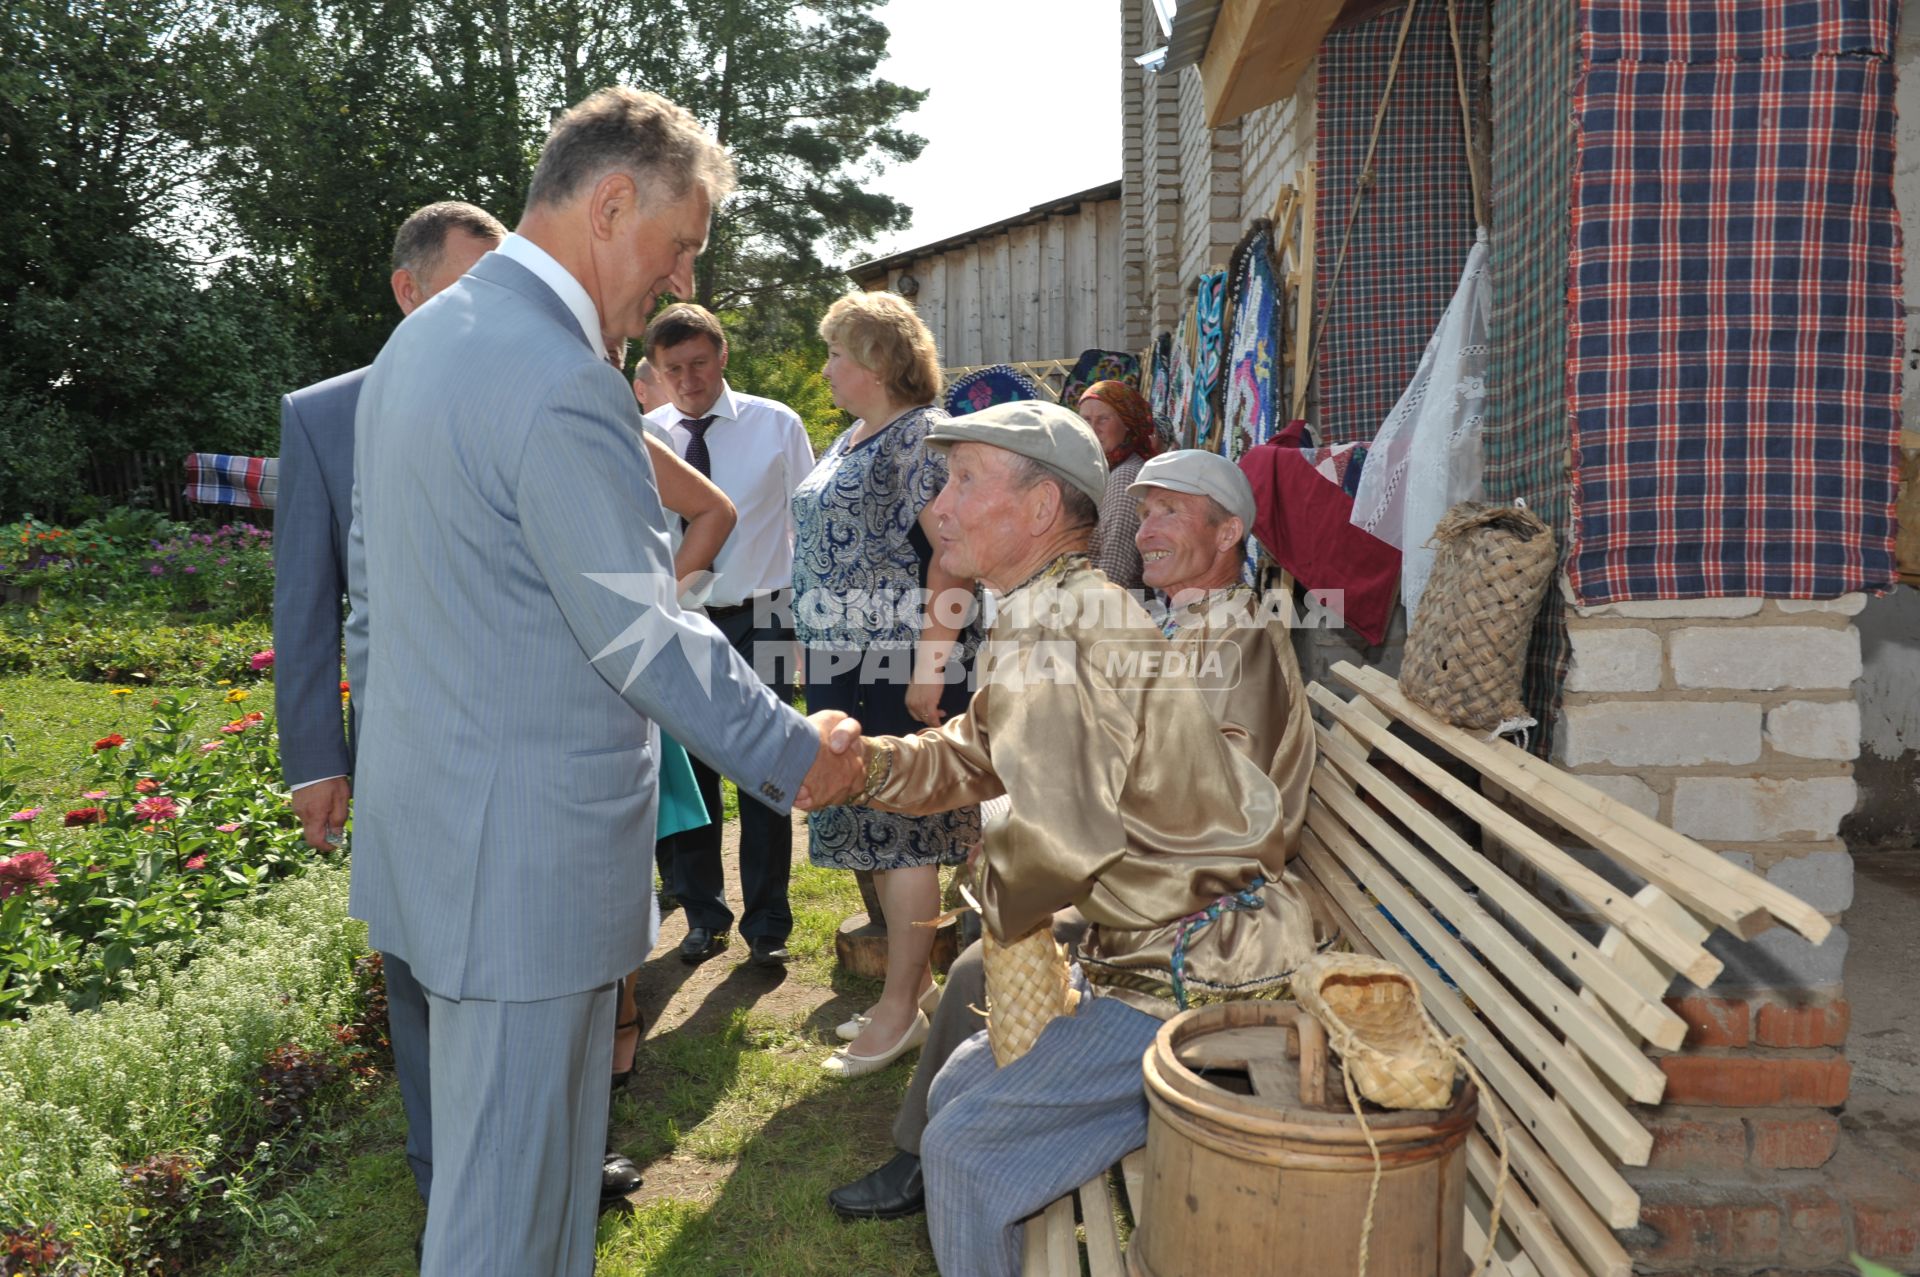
{"points": [[772, 1172]]}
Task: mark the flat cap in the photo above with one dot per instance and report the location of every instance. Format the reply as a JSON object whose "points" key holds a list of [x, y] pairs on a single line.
{"points": [[1205, 474], [1037, 430]]}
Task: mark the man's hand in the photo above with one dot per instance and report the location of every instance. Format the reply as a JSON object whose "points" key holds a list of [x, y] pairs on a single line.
{"points": [[839, 771], [322, 809]]}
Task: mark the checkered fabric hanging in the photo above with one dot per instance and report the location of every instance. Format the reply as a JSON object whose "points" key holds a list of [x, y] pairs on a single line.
{"points": [[1416, 220], [1735, 311], [217, 478], [1534, 64]]}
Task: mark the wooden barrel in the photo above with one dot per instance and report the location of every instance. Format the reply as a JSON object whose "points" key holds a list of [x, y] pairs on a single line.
{"points": [[1243, 1176]]}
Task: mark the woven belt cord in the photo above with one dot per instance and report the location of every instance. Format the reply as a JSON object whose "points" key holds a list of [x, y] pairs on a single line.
{"points": [[1246, 899]]}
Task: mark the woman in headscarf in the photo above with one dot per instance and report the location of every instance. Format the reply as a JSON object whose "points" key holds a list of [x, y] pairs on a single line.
{"points": [[1124, 424]]}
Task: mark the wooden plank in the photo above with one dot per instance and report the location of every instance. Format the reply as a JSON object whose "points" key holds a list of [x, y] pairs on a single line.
{"points": [[1057, 323], [1110, 295], [1083, 281], [1602, 896], [1257, 53], [1103, 1234], [965, 263], [1520, 1215], [1598, 1182], [1646, 1014], [1303, 310], [1024, 307], [1133, 1169], [1063, 1244], [1603, 1043], [1597, 1109], [1525, 776]]}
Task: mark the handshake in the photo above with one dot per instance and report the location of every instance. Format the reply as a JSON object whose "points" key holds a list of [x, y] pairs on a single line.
{"points": [[839, 771]]}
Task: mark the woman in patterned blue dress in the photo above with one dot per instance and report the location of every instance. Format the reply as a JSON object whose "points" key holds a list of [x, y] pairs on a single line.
{"points": [[862, 554]]}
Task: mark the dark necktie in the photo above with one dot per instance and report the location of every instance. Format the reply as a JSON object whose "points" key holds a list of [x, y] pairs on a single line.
{"points": [[697, 446]]}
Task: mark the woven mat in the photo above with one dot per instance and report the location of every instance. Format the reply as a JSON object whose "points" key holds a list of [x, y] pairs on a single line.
{"points": [[1416, 221]]}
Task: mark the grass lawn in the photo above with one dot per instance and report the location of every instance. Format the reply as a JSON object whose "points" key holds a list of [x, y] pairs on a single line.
{"points": [[48, 724]]}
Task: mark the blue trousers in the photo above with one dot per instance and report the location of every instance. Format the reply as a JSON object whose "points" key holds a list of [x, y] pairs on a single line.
{"points": [[1003, 1142], [407, 1030]]}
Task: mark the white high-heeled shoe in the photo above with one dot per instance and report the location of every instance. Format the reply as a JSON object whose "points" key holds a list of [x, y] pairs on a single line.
{"points": [[848, 1030], [844, 1063]]}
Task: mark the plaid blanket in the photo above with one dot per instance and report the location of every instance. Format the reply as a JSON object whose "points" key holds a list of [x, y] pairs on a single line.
{"points": [[1534, 65], [216, 478], [1415, 224], [1735, 314]]}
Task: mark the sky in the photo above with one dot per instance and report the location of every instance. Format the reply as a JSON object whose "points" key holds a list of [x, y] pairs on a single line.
{"points": [[1026, 111]]}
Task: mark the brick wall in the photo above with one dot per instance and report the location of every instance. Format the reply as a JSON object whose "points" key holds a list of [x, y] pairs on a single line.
{"points": [[1188, 191], [1734, 721]]}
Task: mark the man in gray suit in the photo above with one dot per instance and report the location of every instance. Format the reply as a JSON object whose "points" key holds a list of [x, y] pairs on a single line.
{"points": [[515, 636], [434, 247]]}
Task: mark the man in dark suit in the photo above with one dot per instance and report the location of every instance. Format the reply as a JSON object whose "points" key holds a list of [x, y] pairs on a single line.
{"points": [[434, 247]]}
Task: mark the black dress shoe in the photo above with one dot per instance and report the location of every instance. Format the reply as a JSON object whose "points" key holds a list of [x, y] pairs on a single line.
{"points": [[618, 1176], [765, 953], [701, 944], [895, 1191]]}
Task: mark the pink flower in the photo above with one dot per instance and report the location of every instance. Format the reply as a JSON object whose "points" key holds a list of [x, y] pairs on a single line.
{"points": [[261, 660], [26, 814], [95, 793], [25, 871], [211, 745], [196, 862], [160, 807], [227, 828]]}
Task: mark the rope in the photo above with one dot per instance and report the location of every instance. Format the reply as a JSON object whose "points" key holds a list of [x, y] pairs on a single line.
{"points": [[1360, 186], [1466, 119], [1245, 900]]}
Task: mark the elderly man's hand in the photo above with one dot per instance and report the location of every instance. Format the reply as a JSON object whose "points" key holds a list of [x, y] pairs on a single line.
{"points": [[839, 771], [322, 811]]}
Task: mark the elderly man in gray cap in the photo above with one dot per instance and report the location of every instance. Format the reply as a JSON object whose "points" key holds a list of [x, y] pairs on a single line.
{"points": [[1128, 802]]}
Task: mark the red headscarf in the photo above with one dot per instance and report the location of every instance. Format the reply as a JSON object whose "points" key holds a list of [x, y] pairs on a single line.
{"points": [[1135, 417]]}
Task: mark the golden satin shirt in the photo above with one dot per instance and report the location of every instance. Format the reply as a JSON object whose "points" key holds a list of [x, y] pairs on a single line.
{"points": [[1128, 799], [1258, 698]]}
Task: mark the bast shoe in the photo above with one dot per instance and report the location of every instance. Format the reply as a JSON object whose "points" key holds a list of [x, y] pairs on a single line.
{"points": [[844, 1063], [895, 1191]]}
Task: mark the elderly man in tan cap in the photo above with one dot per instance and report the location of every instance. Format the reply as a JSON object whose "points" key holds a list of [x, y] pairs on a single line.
{"points": [[1127, 802]]}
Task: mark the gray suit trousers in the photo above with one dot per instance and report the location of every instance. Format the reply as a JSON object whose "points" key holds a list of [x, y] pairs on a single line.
{"points": [[520, 1130]]}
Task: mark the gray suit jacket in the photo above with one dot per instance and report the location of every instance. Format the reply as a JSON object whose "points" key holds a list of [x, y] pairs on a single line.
{"points": [[311, 516], [506, 788]]}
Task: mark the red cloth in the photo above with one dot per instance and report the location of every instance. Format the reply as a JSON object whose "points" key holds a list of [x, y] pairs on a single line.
{"points": [[1303, 520]]}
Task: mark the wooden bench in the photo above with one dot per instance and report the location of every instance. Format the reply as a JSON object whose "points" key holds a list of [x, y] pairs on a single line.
{"points": [[1558, 1024]]}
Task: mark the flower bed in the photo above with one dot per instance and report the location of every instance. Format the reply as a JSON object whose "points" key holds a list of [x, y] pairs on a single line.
{"points": [[165, 829], [138, 557], [100, 645], [134, 1137]]}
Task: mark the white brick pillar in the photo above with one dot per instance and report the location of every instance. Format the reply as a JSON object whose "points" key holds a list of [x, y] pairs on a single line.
{"points": [[1734, 721]]}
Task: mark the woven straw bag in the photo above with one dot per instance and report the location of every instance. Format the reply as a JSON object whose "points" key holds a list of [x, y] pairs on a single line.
{"points": [[1468, 641], [1027, 985], [1371, 1011]]}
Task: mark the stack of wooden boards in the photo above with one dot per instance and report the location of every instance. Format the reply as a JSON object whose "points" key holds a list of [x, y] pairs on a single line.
{"points": [[1559, 1024]]}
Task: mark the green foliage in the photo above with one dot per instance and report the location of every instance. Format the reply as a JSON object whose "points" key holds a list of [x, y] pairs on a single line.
{"points": [[1870, 1269], [201, 196], [172, 1080], [164, 828], [793, 377], [100, 645]]}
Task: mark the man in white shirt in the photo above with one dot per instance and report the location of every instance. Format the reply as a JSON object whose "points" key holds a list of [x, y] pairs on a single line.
{"points": [[756, 451]]}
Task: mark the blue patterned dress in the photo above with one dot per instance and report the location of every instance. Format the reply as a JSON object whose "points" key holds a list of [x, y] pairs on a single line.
{"points": [[858, 551]]}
